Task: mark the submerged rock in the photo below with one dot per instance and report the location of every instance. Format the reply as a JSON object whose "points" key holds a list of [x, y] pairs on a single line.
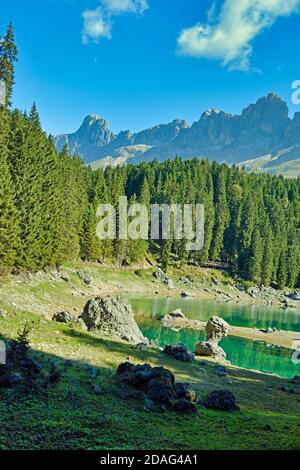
{"points": [[113, 316]]}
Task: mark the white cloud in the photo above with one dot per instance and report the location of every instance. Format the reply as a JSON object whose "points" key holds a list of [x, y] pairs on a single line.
{"points": [[95, 26], [125, 6], [229, 38], [98, 23]]}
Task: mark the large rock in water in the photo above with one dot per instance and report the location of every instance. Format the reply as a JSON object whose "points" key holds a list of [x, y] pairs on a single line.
{"points": [[216, 329], [113, 316]]}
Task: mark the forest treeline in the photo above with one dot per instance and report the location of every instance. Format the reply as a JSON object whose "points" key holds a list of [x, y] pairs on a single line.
{"points": [[48, 203]]}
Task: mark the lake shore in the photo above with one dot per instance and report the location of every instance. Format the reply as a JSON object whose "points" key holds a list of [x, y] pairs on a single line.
{"points": [[47, 292], [285, 339]]}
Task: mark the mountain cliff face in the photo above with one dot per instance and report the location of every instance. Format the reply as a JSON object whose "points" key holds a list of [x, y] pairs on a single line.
{"points": [[262, 132]]}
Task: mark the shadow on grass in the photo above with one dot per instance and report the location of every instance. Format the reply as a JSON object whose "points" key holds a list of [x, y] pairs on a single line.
{"points": [[83, 410]]}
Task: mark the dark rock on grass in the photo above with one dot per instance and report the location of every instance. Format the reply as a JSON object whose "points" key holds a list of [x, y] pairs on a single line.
{"points": [[64, 317], [31, 365], [138, 375], [5, 376], [160, 390], [287, 389], [68, 363], [113, 316], [179, 352], [267, 427], [92, 371], [221, 371], [185, 406], [296, 380], [220, 400], [65, 277], [84, 277], [183, 390], [157, 385], [96, 389]]}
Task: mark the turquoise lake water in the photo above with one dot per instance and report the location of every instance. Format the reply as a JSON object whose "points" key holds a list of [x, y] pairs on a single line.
{"points": [[256, 355]]}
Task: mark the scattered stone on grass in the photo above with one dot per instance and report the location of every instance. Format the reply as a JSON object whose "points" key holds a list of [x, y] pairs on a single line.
{"points": [[221, 371], [157, 385], [64, 317], [179, 352], [84, 277]]}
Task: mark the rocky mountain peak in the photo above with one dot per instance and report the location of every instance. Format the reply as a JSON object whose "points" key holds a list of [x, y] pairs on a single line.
{"points": [[263, 128]]}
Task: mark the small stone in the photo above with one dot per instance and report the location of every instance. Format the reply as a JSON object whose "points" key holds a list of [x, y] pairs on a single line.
{"points": [[96, 389], [187, 294], [92, 371], [15, 378], [63, 317], [287, 389], [84, 277], [221, 371], [68, 363], [202, 372], [267, 427], [65, 277]]}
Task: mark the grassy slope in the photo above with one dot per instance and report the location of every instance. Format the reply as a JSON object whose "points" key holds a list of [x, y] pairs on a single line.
{"points": [[72, 416]]}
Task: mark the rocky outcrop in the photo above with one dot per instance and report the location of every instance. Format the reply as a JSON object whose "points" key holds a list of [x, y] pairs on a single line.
{"points": [[158, 386], [216, 329], [263, 128], [163, 278], [113, 316]]}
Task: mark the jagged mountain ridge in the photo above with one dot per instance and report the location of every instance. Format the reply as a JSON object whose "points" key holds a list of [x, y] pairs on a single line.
{"points": [[262, 133]]}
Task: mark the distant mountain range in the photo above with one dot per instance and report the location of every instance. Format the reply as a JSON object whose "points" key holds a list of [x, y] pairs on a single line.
{"points": [[262, 138]]}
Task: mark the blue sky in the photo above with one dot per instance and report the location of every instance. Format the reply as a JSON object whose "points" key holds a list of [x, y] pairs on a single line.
{"points": [[141, 62]]}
